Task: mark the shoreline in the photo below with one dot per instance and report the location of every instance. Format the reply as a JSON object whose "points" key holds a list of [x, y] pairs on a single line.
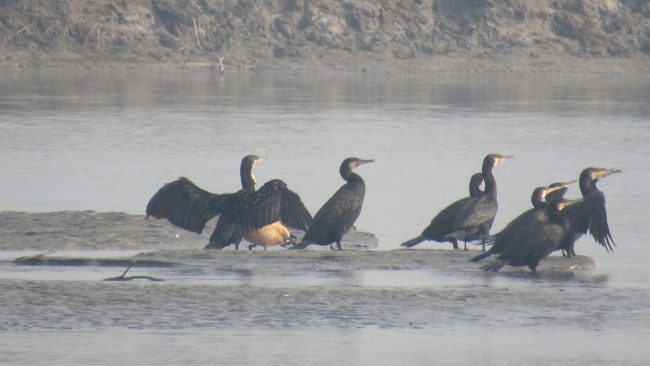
{"points": [[163, 245], [356, 65]]}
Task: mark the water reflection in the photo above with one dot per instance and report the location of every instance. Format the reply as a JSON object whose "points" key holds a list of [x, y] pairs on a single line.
{"points": [[185, 91]]}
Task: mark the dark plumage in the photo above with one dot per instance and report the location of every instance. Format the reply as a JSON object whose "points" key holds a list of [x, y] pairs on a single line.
{"points": [[591, 214], [443, 223], [537, 214], [531, 243], [241, 213], [475, 218], [338, 214], [558, 194]]}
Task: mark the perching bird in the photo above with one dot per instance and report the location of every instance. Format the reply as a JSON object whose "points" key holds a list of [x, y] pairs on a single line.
{"points": [[537, 214], [590, 214], [531, 243], [338, 214], [443, 223], [475, 218], [256, 215]]}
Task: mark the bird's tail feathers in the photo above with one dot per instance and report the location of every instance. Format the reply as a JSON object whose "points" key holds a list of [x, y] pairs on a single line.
{"points": [[495, 265], [481, 256], [413, 242]]}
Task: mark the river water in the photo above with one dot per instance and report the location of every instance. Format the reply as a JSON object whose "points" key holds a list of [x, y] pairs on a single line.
{"points": [[107, 140]]}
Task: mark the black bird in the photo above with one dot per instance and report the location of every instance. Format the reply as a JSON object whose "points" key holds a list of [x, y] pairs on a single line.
{"points": [[475, 218], [533, 242], [338, 214], [256, 215], [590, 214], [558, 194], [443, 224], [537, 214]]}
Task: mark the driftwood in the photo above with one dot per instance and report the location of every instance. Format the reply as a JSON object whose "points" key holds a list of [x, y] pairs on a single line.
{"points": [[42, 259], [129, 278]]}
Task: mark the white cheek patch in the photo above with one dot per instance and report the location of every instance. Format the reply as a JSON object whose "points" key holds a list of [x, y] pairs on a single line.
{"points": [[254, 180]]}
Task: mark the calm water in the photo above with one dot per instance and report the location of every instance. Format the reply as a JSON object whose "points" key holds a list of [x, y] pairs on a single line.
{"points": [[107, 140]]}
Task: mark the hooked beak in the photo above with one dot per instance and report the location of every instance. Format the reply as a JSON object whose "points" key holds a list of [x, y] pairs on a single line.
{"points": [[563, 184], [551, 189], [602, 173], [503, 158], [361, 162]]}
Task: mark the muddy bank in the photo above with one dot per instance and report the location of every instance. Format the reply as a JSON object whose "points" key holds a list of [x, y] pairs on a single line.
{"points": [[71, 230], [167, 246], [287, 262], [419, 36]]}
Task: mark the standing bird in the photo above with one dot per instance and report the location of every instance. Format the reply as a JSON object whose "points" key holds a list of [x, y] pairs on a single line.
{"points": [[531, 243], [475, 218], [590, 214], [338, 214], [256, 215], [537, 214], [443, 224]]}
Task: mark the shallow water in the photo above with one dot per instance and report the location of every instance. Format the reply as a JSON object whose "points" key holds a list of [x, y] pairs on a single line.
{"points": [[107, 140]]}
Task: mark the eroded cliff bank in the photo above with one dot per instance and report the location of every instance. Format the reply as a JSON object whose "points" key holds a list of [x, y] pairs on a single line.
{"points": [[398, 36]]}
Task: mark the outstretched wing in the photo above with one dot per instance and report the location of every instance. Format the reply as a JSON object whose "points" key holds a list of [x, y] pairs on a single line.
{"points": [[293, 212], [598, 226], [271, 203], [185, 205], [255, 210], [590, 215]]}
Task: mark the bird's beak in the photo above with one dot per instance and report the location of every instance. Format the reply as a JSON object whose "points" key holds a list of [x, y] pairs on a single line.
{"points": [[503, 158], [566, 203], [566, 184], [259, 160], [551, 189], [361, 162], [602, 173]]}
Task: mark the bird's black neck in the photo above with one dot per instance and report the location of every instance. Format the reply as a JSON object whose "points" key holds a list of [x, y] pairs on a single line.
{"points": [[587, 185], [488, 178], [246, 174], [352, 178], [475, 185]]}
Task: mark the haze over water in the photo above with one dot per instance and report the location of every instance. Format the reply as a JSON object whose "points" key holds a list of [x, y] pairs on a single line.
{"points": [[107, 140]]}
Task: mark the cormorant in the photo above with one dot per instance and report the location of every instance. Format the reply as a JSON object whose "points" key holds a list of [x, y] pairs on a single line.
{"points": [[558, 194], [531, 243], [537, 214], [338, 214], [443, 223], [590, 214], [256, 215], [475, 218]]}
